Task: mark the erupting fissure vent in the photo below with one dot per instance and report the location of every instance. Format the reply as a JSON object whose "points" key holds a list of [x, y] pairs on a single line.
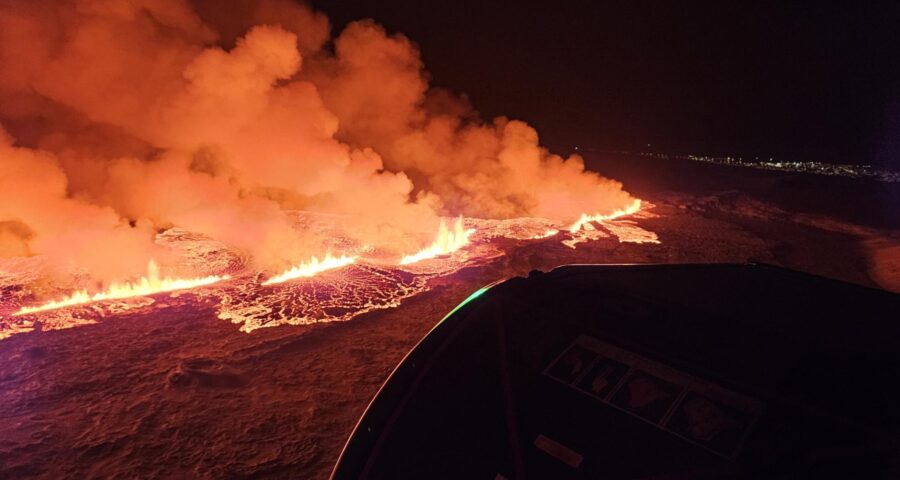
{"points": [[376, 281], [312, 267], [447, 241], [634, 207], [147, 285], [266, 137]]}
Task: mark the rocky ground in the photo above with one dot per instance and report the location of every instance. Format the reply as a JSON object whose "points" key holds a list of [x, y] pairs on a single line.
{"points": [[177, 392]]}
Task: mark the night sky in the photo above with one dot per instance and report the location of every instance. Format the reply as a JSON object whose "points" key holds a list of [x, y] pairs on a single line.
{"points": [[811, 81]]}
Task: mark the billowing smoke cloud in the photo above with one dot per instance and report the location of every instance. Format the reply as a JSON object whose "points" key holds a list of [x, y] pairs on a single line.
{"points": [[124, 117]]}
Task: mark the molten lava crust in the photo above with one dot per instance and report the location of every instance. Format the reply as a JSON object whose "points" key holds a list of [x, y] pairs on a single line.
{"points": [[694, 371]]}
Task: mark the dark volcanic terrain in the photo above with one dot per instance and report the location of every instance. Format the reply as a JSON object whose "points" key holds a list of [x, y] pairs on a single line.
{"points": [[174, 391]]}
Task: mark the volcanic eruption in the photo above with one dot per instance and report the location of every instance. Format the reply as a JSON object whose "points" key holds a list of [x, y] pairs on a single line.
{"points": [[224, 224], [136, 132]]}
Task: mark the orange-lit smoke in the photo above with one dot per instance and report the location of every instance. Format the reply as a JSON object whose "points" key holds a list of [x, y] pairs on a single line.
{"points": [[124, 117]]}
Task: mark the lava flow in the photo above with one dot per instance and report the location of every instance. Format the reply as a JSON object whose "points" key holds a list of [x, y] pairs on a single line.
{"points": [[446, 242], [147, 285], [632, 208], [312, 267], [546, 234]]}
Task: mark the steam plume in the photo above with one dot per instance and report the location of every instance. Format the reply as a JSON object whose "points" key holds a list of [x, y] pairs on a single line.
{"points": [[124, 117]]}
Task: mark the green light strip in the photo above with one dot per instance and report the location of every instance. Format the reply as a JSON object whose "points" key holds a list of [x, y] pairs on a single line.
{"points": [[468, 299], [473, 296]]}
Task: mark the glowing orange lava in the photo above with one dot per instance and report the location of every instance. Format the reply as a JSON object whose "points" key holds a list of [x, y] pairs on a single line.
{"points": [[147, 285], [311, 268], [549, 233], [447, 242], [585, 218]]}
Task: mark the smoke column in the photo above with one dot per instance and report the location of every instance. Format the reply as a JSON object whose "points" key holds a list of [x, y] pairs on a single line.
{"points": [[119, 119]]}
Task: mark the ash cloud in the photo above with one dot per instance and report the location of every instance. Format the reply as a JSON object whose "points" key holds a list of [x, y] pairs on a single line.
{"points": [[122, 118]]}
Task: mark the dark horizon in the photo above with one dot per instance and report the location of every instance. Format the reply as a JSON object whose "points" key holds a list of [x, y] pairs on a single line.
{"points": [[808, 83]]}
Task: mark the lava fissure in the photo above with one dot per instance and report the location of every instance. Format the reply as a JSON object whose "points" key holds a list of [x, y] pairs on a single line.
{"points": [[150, 284], [224, 128], [447, 242]]}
